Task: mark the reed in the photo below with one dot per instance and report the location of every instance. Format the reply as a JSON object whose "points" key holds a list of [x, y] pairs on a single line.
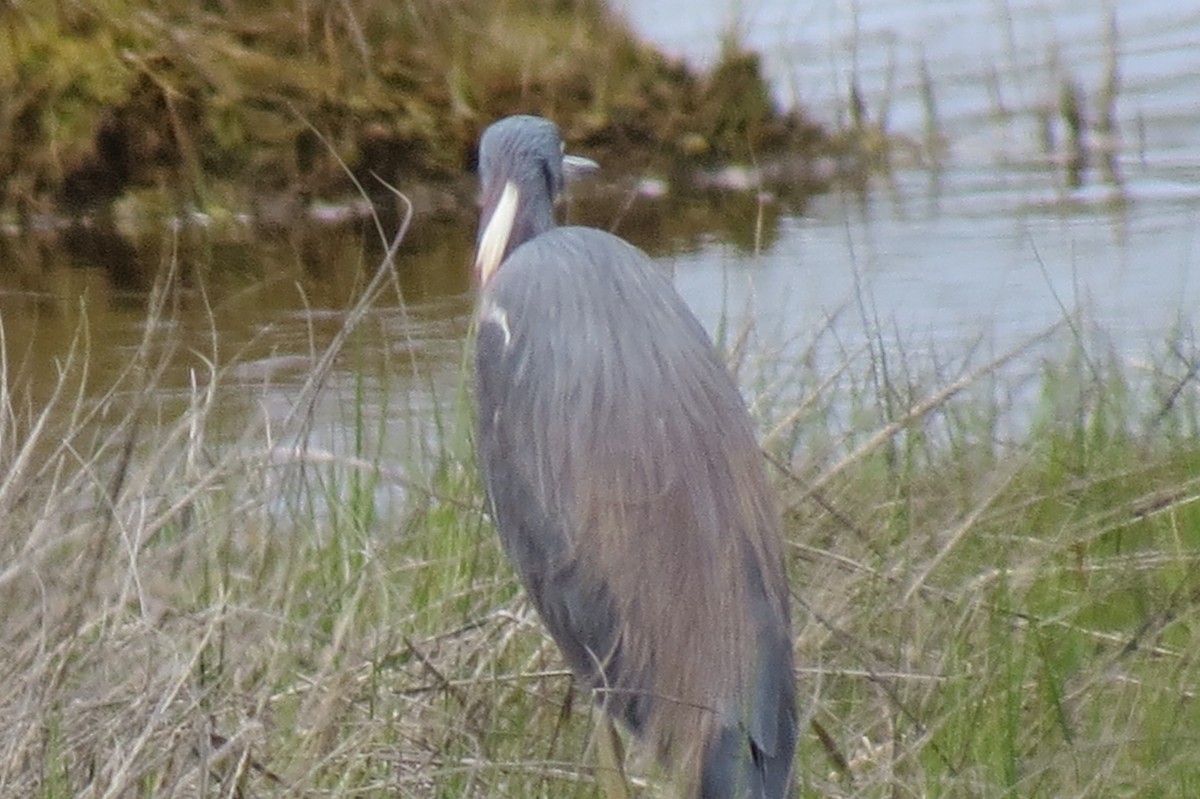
{"points": [[993, 597]]}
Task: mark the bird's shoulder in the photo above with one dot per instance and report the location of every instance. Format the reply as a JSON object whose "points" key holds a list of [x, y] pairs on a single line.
{"points": [[586, 257], [575, 272], [572, 238]]}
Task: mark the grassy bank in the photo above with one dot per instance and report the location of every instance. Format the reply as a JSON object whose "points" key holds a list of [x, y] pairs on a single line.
{"points": [[985, 605], [212, 105]]}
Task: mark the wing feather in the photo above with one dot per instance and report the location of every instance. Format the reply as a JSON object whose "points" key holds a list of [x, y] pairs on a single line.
{"points": [[627, 486]]}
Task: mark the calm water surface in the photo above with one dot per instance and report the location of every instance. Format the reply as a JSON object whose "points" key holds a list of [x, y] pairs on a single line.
{"points": [[987, 248], [995, 241]]}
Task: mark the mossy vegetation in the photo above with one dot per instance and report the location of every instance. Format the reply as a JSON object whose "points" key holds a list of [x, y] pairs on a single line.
{"points": [[210, 101]]}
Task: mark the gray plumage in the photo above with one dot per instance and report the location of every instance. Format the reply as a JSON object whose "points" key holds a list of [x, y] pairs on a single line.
{"points": [[626, 485]]}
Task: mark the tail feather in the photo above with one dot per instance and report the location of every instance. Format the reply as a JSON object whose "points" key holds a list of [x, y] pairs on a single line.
{"points": [[735, 768], [752, 758]]}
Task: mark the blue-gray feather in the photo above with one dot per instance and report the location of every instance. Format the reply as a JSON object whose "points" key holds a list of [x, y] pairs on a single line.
{"points": [[628, 491], [527, 151]]}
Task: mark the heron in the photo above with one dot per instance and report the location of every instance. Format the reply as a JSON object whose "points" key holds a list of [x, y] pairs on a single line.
{"points": [[625, 481]]}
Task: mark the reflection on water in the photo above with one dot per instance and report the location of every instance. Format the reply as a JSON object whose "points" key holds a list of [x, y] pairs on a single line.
{"points": [[992, 64], [1004, 236], [988, 248], [251, 311]]}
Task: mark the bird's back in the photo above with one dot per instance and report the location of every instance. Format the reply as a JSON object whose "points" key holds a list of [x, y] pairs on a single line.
{"points": [[628, 489]]}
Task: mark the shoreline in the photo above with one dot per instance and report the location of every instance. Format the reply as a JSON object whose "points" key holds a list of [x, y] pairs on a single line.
{"points": [[204, 113]]}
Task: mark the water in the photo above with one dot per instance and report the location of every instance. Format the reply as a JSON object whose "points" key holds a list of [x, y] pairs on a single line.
{"points": [[975, 50], [995, 241], [989, 247]]}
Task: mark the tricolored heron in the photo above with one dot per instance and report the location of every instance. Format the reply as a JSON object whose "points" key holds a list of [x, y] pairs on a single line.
{"points": [[626, 484]]}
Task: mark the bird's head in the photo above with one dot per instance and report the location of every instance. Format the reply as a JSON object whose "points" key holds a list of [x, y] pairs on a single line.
{"points": [[522, 172]]}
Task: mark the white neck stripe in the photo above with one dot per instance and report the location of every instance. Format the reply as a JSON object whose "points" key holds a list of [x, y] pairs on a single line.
{"points": [[495, 236]]}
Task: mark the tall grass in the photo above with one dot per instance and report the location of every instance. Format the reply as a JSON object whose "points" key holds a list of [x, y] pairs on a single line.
{"points": [[988, 602], [990, 614]]}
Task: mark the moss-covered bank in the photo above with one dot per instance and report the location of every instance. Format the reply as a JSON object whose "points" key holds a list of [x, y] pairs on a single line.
{"points": [[207, 99]]}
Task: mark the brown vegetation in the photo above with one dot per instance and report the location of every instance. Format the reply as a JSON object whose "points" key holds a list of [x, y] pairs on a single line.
{"points": [[201, 100]]}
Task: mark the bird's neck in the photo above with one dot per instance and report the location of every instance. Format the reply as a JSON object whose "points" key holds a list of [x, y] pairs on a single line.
{"points": [[519, 212], [535, 215]]}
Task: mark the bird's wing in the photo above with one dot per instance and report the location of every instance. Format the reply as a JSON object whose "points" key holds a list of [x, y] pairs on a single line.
{"points": [[526, 490], [627, 486]]}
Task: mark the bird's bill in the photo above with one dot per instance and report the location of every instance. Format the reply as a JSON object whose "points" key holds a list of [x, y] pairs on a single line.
{"points": [[575, 166]]}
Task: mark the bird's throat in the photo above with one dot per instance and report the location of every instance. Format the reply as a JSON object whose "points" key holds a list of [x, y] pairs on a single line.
{"points": [[494, 241]]}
